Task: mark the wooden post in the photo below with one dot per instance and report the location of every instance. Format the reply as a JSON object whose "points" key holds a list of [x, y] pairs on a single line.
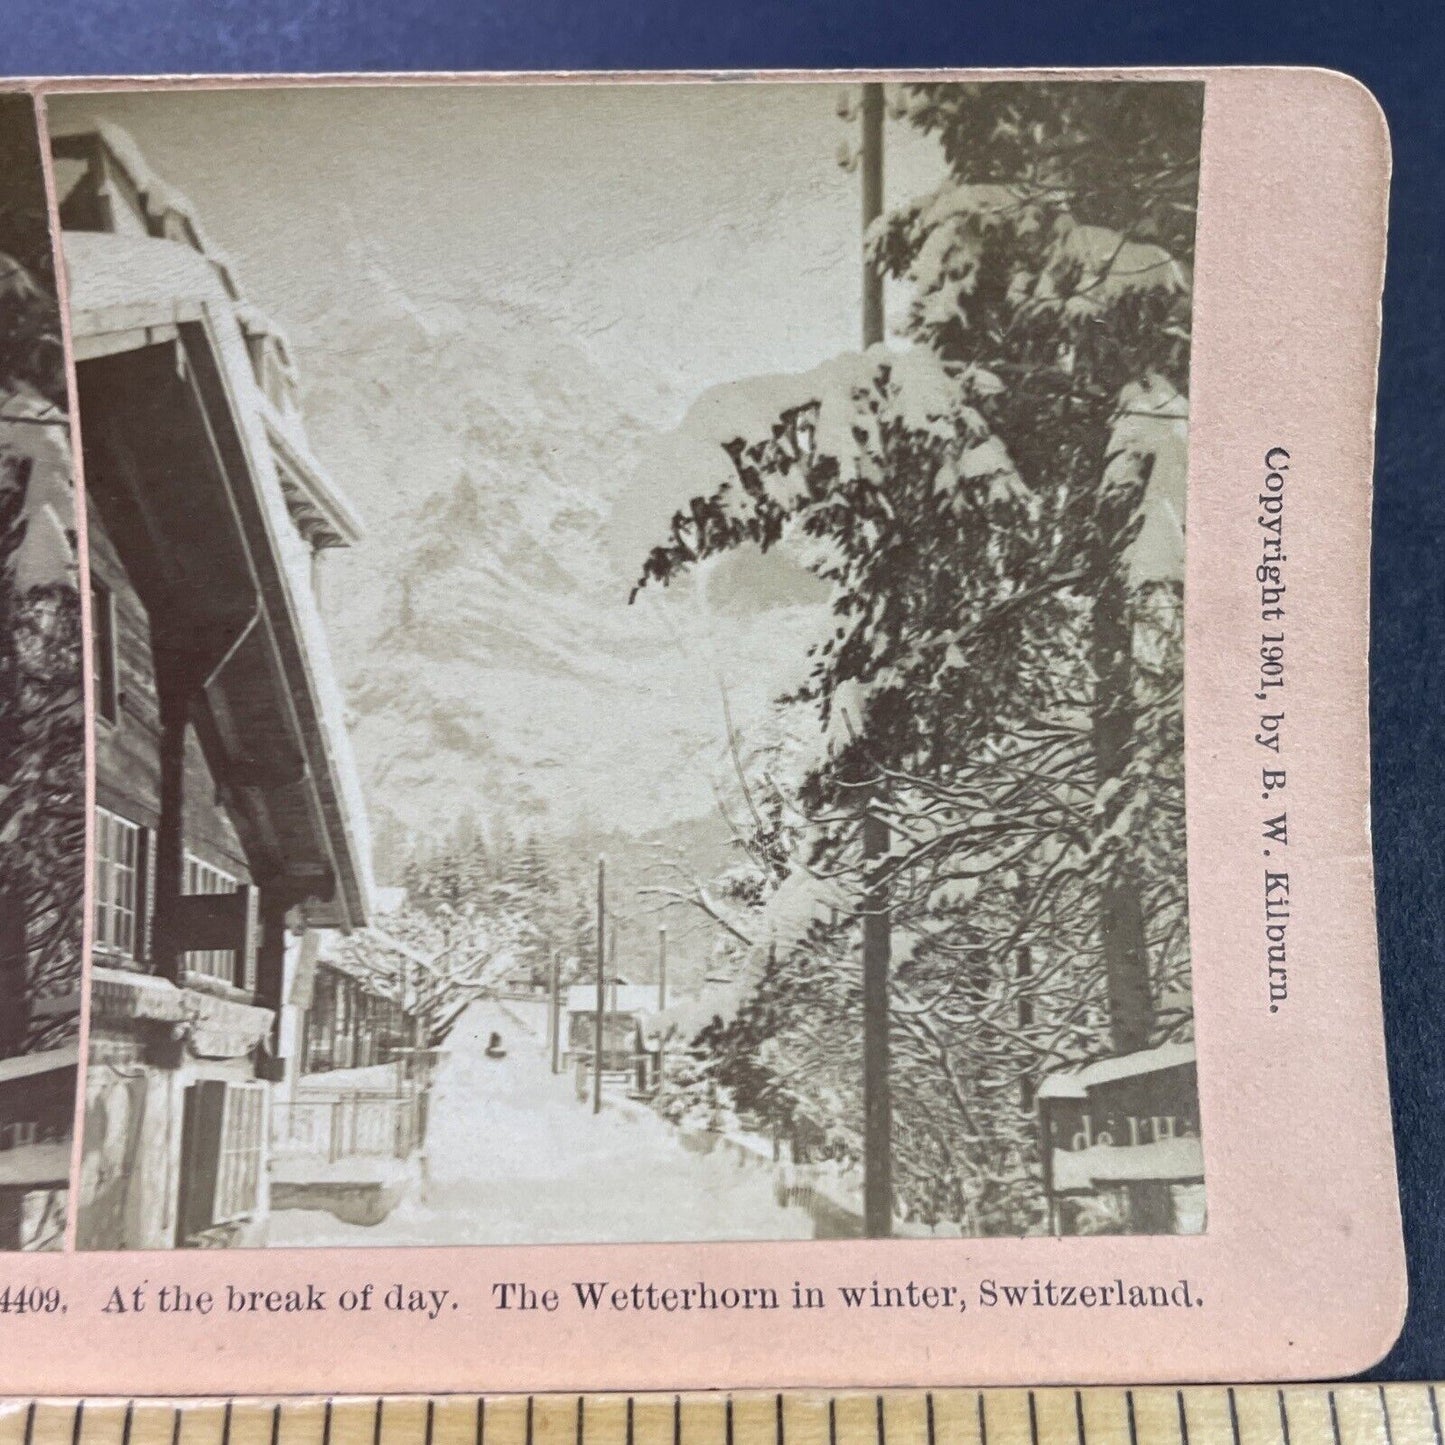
{"points": [[173, 673], [661, 999], [612, 974], [554, 1021], [1121, 931], [14, 984], [601, 985]]}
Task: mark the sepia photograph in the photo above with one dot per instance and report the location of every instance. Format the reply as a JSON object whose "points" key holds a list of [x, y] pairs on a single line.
{"points": [[42, 720], [637, 660]]}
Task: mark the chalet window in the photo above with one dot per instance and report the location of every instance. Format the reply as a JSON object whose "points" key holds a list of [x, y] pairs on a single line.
{"points": [[225, 1139], [118, 874], [218, 963], [103, 661]]}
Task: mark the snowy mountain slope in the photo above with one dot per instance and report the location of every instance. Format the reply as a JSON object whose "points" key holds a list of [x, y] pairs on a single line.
{"points": [[482, 627]]}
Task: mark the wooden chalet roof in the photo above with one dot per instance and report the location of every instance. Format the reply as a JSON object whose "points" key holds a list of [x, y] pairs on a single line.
{"points": [[162, 357]]}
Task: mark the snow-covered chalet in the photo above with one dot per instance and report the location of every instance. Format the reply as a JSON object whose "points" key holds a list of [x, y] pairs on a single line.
{"points": [[228, 820]]}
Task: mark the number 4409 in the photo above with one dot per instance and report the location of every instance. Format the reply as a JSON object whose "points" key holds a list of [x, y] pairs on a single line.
{"points": [[30, 1299]]}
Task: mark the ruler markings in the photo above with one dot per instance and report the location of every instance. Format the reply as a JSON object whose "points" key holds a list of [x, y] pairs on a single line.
{"points": [[93, 1423], [249, 1424], [1365, 1414]]}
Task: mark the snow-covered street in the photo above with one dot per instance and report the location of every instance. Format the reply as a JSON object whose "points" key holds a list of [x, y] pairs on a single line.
{"points": [[514, 1157]]}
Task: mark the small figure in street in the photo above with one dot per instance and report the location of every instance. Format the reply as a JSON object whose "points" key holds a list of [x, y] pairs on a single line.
{"points": [[494, 1047]]}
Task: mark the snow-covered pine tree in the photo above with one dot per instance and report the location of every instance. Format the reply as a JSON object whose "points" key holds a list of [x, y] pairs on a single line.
{"points": [[976, 505]]}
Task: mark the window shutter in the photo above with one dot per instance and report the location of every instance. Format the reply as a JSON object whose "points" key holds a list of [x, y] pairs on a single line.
{"points": [[223, 1154]]}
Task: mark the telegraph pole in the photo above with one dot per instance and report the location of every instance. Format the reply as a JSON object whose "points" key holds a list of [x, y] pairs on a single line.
{"points": [[872, 167], [661, 998], [601, 984], [877, 930], [554, 1019]]}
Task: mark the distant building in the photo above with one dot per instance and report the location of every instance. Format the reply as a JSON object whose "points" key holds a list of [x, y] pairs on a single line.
{"points": [[357, 1009], [228, 820], [626, 1004], [350, 1123]]}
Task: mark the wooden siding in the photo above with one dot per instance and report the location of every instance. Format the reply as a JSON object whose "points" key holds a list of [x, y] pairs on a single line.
{"points": [[127, 752], [127, 761]]}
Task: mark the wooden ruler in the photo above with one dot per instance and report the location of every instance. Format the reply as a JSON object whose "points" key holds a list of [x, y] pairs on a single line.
{"points": [[1407, 1414]]}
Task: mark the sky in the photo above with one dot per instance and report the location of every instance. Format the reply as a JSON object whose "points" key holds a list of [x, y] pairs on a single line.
{"points": [[650, 219]]}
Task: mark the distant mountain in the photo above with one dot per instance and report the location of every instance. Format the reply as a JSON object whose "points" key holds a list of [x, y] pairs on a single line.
{"points": [[481, 628]]}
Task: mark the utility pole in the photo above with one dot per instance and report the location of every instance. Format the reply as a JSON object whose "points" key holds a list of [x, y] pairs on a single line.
{"points": [[554, 1020], [872, 166], [601, 984], [877, 928], [661, 998]]}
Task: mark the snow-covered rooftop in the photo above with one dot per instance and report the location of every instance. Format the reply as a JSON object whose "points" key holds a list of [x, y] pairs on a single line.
{"points": [[1075, 1083], [127, 282], [627, 998], [1179, 1161]]}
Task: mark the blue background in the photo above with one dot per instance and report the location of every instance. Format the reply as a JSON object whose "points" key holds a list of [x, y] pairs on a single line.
{"points": [[1398, 54]]}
